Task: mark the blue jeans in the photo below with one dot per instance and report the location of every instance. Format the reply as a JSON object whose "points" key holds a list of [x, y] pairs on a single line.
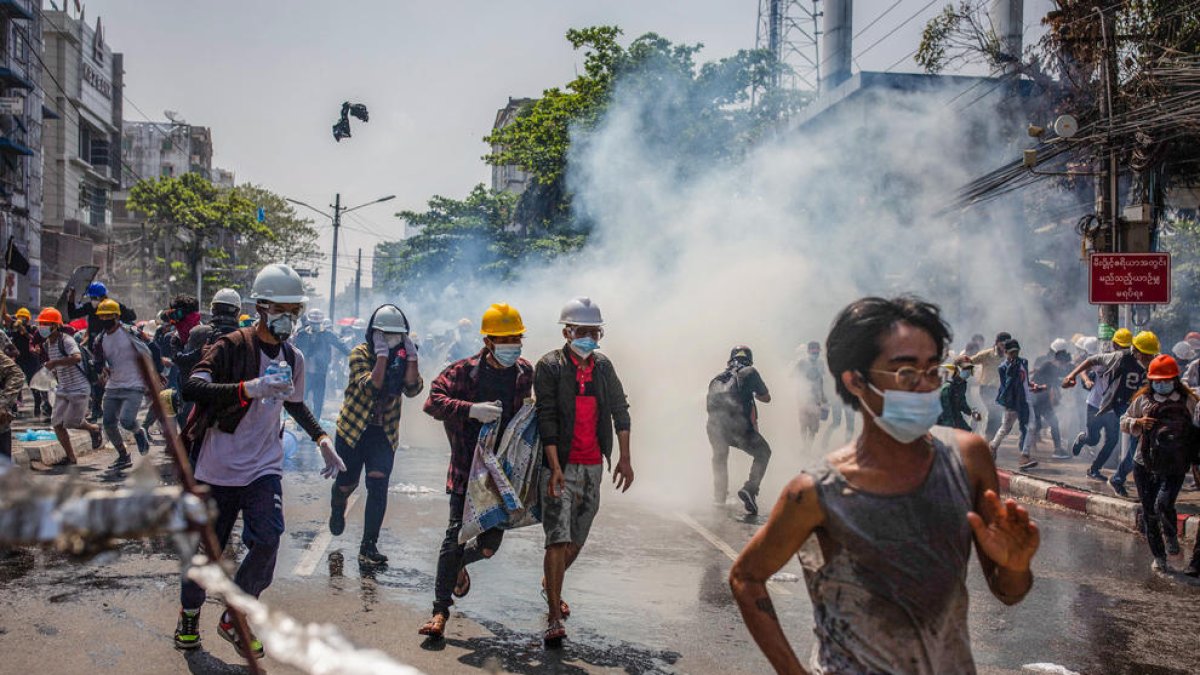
{"points": [[1111, 425], [261, 506], [1122, 473], [122, 405]]}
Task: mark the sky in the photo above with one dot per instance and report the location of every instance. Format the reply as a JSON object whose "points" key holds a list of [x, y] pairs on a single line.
{"points": [[269, 79]]}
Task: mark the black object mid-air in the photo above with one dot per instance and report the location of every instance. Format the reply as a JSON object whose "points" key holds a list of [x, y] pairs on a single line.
{"points": [[342, 128]]}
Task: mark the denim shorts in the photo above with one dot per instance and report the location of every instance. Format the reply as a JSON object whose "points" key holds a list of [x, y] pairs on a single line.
{"points": [[568, 518]]}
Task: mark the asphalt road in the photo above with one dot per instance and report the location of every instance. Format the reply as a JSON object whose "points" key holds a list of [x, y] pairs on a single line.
{"points": [[648, 594]]}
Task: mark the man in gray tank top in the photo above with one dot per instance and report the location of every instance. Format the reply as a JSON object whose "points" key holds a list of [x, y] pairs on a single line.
{"points": [[894, 513]]}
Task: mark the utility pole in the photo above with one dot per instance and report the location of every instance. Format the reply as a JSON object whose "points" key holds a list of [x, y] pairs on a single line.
{"points": [[358, 284], [1108, 188], [337, 222]]}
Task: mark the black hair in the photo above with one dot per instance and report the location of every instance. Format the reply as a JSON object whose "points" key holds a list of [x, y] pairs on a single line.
{"points": [[814, 344], [857, 334], [186, 303]]}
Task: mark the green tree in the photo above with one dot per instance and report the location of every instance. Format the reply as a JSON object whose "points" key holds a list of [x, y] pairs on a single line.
{"points": [[1182, 239], [198, 217], [287, 238]]}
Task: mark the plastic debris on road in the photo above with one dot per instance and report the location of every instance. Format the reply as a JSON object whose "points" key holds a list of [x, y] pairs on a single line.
{"points": [[1048, 668], [413, 489], [784, 577]]}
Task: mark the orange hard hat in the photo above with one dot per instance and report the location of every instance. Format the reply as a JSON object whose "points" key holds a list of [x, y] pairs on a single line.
{"points": [[1163, 367], [50, 315]]}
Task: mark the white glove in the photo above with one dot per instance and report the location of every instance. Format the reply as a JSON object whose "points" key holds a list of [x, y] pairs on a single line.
{"points": [[486, 412], [268, 386], [410, 348], [379, 343], [333, 462]]}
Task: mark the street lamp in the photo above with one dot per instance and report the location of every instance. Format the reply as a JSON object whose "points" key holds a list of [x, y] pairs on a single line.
{"points": [[338, 210]]}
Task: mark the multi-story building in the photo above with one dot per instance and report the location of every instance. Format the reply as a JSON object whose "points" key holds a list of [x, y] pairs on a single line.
{"points": [[21, 114], [509, 177], [165, 149], [83, 82]]}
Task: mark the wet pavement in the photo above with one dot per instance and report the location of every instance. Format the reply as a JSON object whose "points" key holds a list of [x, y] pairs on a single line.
{"points": [[648, 593]]}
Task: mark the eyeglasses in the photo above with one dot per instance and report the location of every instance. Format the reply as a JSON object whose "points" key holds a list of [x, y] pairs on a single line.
{"points": [[908, 377]]}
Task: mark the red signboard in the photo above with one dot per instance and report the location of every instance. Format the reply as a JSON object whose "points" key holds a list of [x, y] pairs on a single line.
{"points": [[1129, 279]]}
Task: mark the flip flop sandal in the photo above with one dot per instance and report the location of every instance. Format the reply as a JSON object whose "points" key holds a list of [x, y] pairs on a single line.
{"points": [[554, 635], [461, 589], [435, 627], [563, 607]]}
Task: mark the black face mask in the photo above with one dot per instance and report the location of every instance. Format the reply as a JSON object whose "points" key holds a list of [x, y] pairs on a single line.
{"points": [[107, 324]]}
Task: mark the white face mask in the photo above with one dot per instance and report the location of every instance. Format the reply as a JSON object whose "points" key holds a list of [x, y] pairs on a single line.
{"points": [[907, 415], [393, 339], [44, 331], [280, 325]]}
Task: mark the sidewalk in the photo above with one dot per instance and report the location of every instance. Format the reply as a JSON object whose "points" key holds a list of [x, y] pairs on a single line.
{"points": [[1062, 482]]}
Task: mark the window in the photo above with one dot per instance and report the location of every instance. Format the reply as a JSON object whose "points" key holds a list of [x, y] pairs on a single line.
{"points": [[167, 145], [167, 171], [85, 142]]}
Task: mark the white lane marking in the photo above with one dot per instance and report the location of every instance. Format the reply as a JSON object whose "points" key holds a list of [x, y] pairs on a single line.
{"points": [[723, 547], [316, 548]]}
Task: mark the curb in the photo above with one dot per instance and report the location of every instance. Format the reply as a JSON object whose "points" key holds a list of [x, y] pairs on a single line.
{"points": [[50, 452], [1119, 512]]}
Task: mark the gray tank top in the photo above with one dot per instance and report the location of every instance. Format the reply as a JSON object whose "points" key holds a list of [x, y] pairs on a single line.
{"points": [[889, 592]]}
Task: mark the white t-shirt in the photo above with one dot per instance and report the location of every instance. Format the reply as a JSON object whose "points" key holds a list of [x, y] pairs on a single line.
{"points": [[122, 357], [255, 448], [71, 381]]}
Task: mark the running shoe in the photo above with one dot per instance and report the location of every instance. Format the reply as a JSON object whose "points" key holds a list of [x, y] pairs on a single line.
{"points": [[748, 501], [369, 554], [122, 462], [97, 439], [187, 631], [1027, 463], [1118, 488], [1092, 474], [1077, 446], [226, 630]]}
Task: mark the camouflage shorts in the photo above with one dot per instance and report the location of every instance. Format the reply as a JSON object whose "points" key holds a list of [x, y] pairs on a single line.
{"points": [[568, 518]]}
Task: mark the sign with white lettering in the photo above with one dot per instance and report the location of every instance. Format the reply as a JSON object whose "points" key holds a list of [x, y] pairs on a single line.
{"points": [[95, 79], [12, 105], [1129, 278]]}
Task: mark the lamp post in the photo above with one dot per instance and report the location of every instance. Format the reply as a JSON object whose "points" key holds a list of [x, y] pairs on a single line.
{"points": [[336, 217]]}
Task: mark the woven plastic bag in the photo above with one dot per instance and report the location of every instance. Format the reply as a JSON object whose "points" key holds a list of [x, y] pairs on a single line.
{"points": [[502, 487]]}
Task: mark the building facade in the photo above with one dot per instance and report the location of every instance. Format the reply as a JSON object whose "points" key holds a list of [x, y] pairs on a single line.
{"points": [[509, 177], [165, 149], [83, 81]]}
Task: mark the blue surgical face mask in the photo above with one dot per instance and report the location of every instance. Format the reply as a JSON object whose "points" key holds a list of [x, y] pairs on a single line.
{"points": [[1162, 387], [507, 355], [583, 347], [907, 415]]}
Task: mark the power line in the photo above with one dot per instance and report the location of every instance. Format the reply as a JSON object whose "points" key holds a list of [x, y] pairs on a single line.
{"points": [[899, 26]]}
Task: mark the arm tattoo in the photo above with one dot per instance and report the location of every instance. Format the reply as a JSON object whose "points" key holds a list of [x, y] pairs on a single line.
{"points": [[765, 606]]}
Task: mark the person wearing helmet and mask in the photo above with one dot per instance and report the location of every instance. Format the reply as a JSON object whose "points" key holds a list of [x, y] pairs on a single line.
{"points": [[116, 351], [1162, 417], [1051, 367], [65, 359], [490, 386], [1124, 374], [28, 345], [383, 370], [96, 293], [580, 403], [241, 387], [318, 344], [895, 513], [955, 408], [809, 373], [733, 421]]}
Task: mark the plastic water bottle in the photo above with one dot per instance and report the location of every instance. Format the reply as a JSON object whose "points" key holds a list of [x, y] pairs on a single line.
{"points": [[278, 368]]}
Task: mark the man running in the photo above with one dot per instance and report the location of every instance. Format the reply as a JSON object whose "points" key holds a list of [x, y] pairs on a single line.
{"points": [[580, 402], [733, 420], [116, 351], [1016, 389], [894, 512], [71, 398], [241, 387], [490, 386], [318, 343]]}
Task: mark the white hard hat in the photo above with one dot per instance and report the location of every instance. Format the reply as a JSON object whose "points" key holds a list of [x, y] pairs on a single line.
{"points": [[581, 311], [1183, 350], [1060, 345], [1091, 344], [389, 319], [315, 316], [359, 324], [227, 296], [278, 283]]}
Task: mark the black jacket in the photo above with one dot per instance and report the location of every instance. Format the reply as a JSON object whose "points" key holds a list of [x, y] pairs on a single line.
{"points": [[554, 387]]}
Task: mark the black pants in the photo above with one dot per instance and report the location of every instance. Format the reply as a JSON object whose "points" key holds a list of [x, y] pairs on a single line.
{"points": [[6, 443], [1158, 494], [373, 451], [747, 440], [454, 556], [314, 389], [41, 402]]}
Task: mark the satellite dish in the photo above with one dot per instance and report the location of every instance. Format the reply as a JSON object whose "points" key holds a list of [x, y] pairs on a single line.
{"points": [[1066, 126]]}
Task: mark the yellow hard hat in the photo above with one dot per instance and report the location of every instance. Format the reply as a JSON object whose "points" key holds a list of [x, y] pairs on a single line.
{"points": [[1123, 338], [23, 313], [502, 320], [108, 308], [1146, 342]]}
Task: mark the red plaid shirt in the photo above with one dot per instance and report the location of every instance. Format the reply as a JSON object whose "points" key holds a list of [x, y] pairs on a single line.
{"points": [[450, 399]]}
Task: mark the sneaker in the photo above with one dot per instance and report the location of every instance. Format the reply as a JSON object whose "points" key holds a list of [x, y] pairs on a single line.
{"points": [[1172, 543], [1092, 474], [1118, 488], [122, 462], [1059, 453], [1160, 565], [369, 554], [97, 439], [337, 511], [1077, 446], [1027, 463], [1193, 570], [143, 441], [748, 501], [187, 631], [226, 630]]}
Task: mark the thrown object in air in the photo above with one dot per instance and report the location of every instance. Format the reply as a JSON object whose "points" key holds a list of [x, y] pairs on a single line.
{"points": [[342, 128]]}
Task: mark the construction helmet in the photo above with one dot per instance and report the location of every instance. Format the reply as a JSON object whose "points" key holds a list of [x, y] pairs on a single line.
{"points": [[168, 398], [23, 313], [1146, 342], [315, 316], [1183, 350], [1163, 367], [278, 283], [1060, 345], [389, 319], [245, 320], [743, 354], [50, 315], [227, 296], [1091, 345], [581, 311], [359, 324], [1123, 337], [502, 320], [96, 290], [108, 309]]}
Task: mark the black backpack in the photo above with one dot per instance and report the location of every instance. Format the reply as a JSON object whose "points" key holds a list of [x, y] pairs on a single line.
{"points": [[86, 364], [725, 394], [1170, 445]]}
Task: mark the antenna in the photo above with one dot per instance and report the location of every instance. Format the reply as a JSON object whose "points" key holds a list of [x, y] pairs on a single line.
{"points": [[789, 30]]}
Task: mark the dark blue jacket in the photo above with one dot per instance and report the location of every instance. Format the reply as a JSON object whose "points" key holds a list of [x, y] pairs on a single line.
{"points": [[1013, 376]]}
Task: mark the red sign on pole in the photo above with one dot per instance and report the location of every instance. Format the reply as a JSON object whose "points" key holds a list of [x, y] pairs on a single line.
{"points": [[1129, 279]]}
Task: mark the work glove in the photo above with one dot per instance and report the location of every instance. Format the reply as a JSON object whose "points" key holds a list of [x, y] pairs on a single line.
{"points": [[380, 345], [486, 412], [333, 463], [268, 386], [409, 348]]}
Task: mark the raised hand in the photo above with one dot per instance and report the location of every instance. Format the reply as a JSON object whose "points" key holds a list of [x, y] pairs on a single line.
{"points": [[1004, 532]]}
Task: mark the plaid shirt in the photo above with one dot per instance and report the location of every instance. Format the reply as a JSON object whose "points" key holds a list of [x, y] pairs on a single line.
{"points": [[12, 379], [450, 399], [361, 398]]}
